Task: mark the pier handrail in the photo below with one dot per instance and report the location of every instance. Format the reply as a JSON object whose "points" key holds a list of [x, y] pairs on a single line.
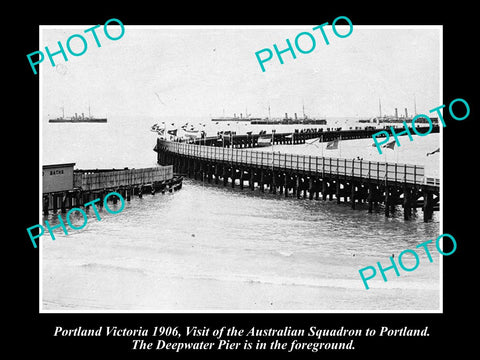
{"points": [[380, 171]]}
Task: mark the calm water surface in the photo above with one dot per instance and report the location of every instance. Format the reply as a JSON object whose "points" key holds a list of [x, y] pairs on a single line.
{"points": [[210, 248]]}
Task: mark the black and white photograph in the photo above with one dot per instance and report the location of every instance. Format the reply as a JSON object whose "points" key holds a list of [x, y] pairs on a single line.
{"points": [[284, 181], [245, 190]]}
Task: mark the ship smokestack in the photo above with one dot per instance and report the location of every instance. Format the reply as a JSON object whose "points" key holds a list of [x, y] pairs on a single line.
{"points": [[406, 113], [295, 116], [286, 116], [396, 113]]}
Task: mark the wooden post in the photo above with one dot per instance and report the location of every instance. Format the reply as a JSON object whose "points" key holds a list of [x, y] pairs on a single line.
{"points": [[281, 183], [209, 172], [46, 202], [427, 206], [216, 173], [393, 199], [324, 189], [195, 169], [407, 203], [370, 197], [387, 202], [241, 178], [54, 203], [63, 203], [414, 199], [352, 194], [304, 187], [202, 170], [310, 188], [262, 181], [286, 181], [273, 186], [297, 186], [224, 175], [251, 182]]}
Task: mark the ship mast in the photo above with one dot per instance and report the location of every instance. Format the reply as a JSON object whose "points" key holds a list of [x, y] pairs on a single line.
{"points": [[380, 107]]}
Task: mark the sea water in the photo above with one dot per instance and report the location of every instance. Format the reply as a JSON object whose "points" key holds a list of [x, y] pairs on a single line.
{"points": [[214, 248]]}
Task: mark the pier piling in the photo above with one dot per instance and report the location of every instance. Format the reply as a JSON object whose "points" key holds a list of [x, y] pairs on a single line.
{"points": [[356, 182]]}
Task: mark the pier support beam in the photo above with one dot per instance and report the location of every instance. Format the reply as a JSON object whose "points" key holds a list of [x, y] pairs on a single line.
{"points": [[310, 187], [393, 200], [298, 188], [273, 186], [241, 178], [216, 173], [427, 206], [63, 203], [281, 181], [324, 189], [387, 201], [224, 175], [317, 189], [286, 180], [262, 181], [407, 203], [370, 198], [352, 195]]}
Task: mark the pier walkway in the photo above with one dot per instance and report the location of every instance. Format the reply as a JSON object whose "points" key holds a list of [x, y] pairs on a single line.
{"points": [[356, 181]]}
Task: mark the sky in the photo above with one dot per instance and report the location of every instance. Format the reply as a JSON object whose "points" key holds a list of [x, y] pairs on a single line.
{"points": [[213, 71]]}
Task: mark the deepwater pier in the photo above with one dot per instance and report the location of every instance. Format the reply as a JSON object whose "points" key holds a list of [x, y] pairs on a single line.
{"points": [[351, 181]]}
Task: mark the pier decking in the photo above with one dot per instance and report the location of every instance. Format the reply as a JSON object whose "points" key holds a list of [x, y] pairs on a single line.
{"points": [[355, 181]]}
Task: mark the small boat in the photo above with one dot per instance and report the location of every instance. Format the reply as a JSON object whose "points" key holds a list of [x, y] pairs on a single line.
{"points": [[191, 133], [264, 141]]}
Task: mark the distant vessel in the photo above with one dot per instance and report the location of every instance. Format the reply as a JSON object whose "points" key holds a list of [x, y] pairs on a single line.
{"points": [[77, 118], [235, 118], [289, 120], [270, 121], [396, 119]]}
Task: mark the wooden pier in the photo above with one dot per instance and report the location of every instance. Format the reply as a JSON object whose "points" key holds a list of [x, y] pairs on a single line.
{"points": [[295, 137], [354, 181], [89, 185]]}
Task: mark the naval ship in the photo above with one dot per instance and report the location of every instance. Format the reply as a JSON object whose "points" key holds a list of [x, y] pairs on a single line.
{"points": [[78, 118]]}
